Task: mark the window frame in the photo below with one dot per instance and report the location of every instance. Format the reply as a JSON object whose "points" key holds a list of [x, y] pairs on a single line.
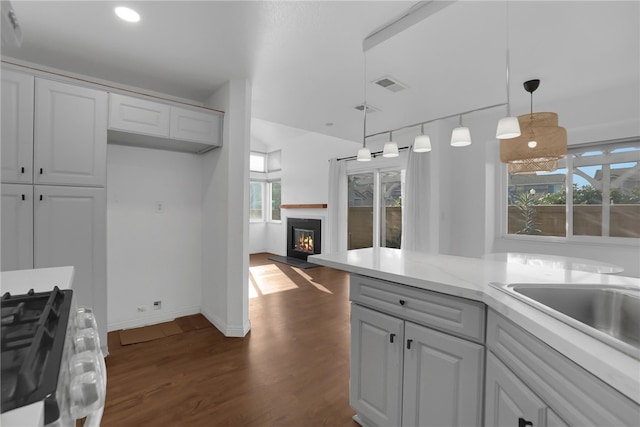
{"points": [[570, 238], [262, 189], [270, 201]]}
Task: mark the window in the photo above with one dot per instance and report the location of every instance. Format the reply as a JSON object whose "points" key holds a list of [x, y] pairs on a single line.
{"points": [[375, 209], [601, 184], [257, 161], [255, 201], [276, 200]]}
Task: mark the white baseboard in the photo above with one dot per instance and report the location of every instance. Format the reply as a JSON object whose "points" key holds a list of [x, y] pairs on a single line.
{"points": [[152, 318], [227, 330]]}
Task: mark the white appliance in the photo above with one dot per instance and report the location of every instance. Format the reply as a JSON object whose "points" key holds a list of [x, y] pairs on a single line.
{"points": [[53, 370]]}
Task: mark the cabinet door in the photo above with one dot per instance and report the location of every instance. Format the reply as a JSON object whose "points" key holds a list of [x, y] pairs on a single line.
{"points": [[376, 366], [70, 229], [195, 126], [17, 226], [70, 134], [138, 115], [17, 127], [508, 400], [442, 379]]}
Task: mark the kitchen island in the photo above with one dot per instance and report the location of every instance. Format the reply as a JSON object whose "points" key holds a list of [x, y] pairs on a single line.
{"points": [[467, 280]]}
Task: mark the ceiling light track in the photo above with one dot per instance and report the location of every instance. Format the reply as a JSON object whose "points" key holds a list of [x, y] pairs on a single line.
{"points": [[464, 113]]}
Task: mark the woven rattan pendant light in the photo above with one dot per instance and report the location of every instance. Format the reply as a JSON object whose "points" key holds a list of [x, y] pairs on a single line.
{"points": [[541, 143]]}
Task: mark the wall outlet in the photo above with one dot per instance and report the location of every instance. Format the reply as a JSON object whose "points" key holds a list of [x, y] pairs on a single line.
{"points": [[142, 308], [157, 305], [159, 207]]}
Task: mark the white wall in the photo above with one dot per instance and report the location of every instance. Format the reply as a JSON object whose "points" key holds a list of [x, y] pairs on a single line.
{"points": [[304, 176], [152, 256], [225, 215]]}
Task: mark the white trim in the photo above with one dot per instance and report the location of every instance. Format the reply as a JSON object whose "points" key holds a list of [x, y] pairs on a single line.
{"points": [[227, 330], [152, 318]]}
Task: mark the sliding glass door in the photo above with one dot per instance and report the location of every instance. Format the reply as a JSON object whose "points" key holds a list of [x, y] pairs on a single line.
{"points": [[375, 209], [360, 193]]}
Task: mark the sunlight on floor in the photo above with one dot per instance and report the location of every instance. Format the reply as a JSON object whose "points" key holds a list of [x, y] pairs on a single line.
{"points": [[272, 278], [269, 279], [318, 286]]}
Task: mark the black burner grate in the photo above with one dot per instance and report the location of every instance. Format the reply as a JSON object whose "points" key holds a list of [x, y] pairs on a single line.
{"points": [[33, 332]]}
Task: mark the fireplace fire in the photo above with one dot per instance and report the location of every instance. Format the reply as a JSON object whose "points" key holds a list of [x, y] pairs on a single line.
{"points": [[303, 240], [303, 237]]}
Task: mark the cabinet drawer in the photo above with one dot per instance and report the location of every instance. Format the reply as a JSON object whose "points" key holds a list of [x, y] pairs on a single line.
{"points": [[575, 395], [457, 316]]}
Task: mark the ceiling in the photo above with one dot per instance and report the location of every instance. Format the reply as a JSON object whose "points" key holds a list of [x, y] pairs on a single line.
{"points": [[305, 59]]}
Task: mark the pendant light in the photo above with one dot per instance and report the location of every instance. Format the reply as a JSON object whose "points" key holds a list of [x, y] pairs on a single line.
{"points": [[364, 154], [460, 136], [508, 127], [390, 148], [422, 143], [541, 144]]}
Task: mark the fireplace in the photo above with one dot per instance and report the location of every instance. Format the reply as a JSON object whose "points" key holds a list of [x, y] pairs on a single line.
{"points": [[304, 237]]}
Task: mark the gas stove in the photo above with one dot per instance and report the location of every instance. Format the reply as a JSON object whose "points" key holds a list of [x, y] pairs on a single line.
{"points": [[34, 328], [53, 370]]}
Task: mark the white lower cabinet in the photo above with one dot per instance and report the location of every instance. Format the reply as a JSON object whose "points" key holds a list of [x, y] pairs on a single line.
{"points": [[530, 384], [58, 226], [510, 403], [405, 374]]}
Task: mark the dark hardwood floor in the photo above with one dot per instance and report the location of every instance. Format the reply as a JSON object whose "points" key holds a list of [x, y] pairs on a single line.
{"points": [[292, 369]]}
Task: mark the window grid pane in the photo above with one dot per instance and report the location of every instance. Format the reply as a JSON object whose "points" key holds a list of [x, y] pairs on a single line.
{"points": [[603, 193], [255, 201]]}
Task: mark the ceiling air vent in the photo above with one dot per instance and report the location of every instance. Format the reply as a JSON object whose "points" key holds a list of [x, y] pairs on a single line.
{"points": [[390, 83]]}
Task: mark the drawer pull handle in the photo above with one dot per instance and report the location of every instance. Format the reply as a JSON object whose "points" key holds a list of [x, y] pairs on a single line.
{"points": [[409, 344], [41, 171], [402, 302], [391, 337], [22, 169], [24, 197], [41, 197], [524, 423]]}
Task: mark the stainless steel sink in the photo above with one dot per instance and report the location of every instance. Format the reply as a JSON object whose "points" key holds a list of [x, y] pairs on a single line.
{"points": [[609, 313]]}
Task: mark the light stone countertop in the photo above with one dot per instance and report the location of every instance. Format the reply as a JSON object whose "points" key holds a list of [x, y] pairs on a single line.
{"points": [[470, 277], [39, 279]]}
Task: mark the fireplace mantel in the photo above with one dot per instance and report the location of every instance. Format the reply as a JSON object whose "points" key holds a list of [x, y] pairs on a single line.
{"points": [[305, 206]]}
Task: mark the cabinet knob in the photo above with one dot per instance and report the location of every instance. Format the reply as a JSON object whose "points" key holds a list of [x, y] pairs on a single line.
{"points": [[524, 423], [24, 197], [41, 197], [409, 344], [22, 169], [402, 302], [391, 337], [41, 171]]}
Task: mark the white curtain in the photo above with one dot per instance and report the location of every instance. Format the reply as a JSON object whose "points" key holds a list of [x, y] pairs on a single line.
{"points": [[415, 206], [337, 207]]}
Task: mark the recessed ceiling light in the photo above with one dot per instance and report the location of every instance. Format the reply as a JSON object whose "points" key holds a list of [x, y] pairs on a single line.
{"points": [[127, 14]]}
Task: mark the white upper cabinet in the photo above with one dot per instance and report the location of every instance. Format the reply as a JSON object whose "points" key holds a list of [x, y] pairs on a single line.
{"points": [[138, 115], [144, 123], [196, 126], [70, 135], [17, 127]]}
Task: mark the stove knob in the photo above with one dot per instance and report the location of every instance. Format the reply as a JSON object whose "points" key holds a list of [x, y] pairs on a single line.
{"points": [[87, 388], [85, 319], [86, 340]]}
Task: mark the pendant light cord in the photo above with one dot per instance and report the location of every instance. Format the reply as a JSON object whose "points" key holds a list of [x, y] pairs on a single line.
{"points": [[364, 104]]}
